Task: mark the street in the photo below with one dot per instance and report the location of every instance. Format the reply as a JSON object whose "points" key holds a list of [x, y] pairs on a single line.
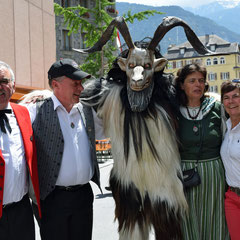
{"points": [[104, 227]]}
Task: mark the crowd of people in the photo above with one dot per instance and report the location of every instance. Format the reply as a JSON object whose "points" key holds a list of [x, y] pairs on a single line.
{"points": [[47, 152]]}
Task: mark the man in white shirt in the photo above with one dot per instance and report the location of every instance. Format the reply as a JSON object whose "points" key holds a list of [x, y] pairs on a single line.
{"points": [[17, 162], [65, 141]]}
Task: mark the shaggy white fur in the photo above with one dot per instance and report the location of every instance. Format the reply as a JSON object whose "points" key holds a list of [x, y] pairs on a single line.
{"points": [[35, 95], [157, 178], [135, 234]]}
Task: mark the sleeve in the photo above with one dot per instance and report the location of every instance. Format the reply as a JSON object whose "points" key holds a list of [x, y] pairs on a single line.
{"points": [[32, 109]]}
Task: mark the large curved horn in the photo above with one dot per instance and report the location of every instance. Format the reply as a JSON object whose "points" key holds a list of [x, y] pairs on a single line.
{"points": [[121, 25], [170, 22]]}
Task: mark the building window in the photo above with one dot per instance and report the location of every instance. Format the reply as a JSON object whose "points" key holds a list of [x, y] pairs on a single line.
{"points": [[174, 64], [198, 61], [213, 89], [170, 65], [189, 61], [222, 60], [182, 50], [208, 62], [83, 3], [66, 41], [239, 59], [65, 3], [179, 64], [225, 75], [215, 61], [212, 76], [213, 47]]}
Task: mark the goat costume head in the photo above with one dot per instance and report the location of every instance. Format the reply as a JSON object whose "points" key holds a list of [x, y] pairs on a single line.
{"points": [[141, 64]]}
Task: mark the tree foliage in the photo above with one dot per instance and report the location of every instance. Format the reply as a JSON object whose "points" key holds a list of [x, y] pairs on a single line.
{"points": [[93, 22]]}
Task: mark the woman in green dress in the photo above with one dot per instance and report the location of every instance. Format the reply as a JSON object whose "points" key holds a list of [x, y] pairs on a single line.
{"points": [[200, 141]]}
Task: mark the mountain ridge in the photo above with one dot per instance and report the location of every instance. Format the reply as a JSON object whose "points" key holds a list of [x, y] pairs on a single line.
{"points": [[200, 25], [223, 15]]}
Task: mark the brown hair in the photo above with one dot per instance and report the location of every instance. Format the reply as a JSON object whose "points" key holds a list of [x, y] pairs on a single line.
{"points": [[229, 86], [181, 76]]}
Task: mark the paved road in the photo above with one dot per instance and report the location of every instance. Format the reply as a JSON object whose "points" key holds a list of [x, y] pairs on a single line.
{"points": [[104, 227]]}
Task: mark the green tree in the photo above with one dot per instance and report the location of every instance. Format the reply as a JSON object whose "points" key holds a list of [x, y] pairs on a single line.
{"points": [[78, 16]]}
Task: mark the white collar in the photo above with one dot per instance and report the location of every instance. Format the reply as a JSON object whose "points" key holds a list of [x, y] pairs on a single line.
{"points": [[57, 103], [229, 124], [9, 106]]}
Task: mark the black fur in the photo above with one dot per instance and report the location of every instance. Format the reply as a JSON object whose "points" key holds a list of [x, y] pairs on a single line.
{"points": [[131, 209]]}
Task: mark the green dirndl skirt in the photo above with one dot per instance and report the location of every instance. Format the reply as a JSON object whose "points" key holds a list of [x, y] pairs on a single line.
{"points": [[205, 219]]}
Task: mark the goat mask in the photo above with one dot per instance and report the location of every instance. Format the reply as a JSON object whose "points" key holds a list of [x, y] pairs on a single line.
{"points": [[141, 64]]}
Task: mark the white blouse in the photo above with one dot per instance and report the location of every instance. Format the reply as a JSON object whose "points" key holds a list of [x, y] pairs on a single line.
{"points": [[230, 153], [193, 112]]}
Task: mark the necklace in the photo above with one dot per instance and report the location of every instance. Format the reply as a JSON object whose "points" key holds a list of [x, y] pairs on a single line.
{"points": [[195, 127], [193, 117]]}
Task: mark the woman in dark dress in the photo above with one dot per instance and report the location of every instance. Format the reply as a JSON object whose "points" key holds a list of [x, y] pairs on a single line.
{"points": [[200, 140]]}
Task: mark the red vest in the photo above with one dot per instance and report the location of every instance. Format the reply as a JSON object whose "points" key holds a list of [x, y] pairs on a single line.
{"points": [[24, 122]]}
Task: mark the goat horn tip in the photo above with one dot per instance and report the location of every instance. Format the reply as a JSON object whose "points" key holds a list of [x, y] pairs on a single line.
{"points": [[79, 50]]}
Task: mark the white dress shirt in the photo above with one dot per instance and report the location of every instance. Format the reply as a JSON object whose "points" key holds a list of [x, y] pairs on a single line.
{"points": [[230, 153], [76, 167], [11, 145]]}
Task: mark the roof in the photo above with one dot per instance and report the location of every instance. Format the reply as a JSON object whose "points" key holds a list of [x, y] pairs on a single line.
{"points": [[221, 46]]}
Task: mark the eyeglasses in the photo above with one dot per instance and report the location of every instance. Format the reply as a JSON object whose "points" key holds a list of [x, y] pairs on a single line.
{"points": [[4, 81]]}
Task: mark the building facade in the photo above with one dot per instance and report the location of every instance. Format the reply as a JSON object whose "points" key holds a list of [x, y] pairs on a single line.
{"points": [[64, 42], [28, 41], [222, 65]]}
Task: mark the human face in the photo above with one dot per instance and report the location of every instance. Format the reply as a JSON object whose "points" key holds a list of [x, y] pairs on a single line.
{"points": [[7, 87], [67, 91], [193, 86], [231, 102]]}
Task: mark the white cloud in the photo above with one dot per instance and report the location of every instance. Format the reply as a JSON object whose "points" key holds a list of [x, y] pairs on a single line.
{"points": [[181, 3]]}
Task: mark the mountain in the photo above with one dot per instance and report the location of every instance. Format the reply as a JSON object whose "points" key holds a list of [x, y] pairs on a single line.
{"points": [[224, 13], [146, 28], [207, 9], [216, 6]]}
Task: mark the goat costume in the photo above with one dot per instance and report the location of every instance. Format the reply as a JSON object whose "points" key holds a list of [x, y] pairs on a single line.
{"points": [[136, 107]]}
